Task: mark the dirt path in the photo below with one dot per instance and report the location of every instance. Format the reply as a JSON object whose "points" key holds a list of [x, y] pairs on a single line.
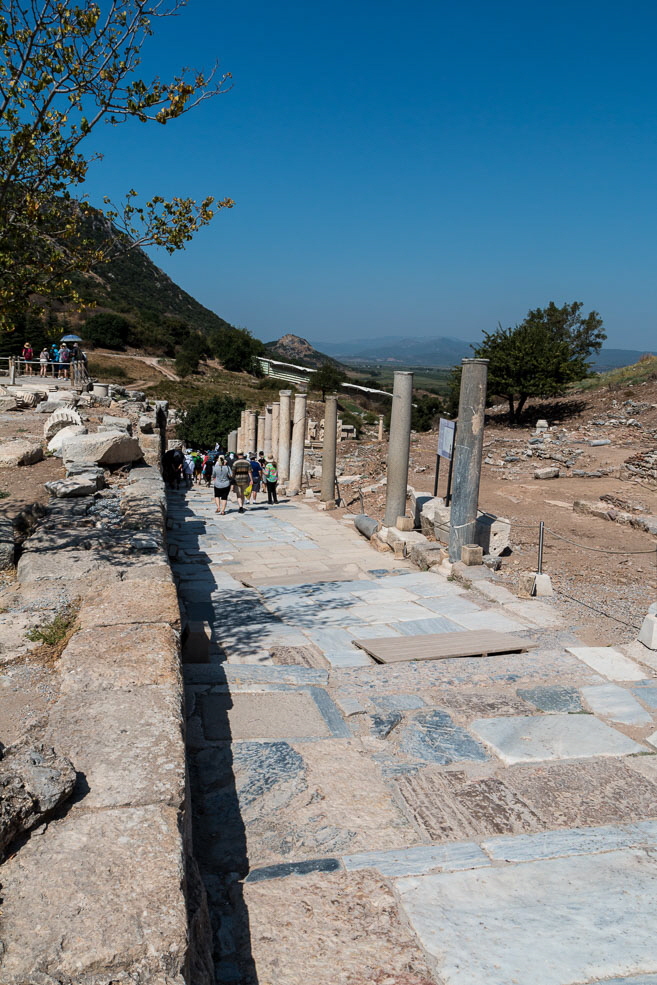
{"points": [[151, 361]]}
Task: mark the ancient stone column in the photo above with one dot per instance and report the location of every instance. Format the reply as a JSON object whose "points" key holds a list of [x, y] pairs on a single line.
{"points": [[399, 446], [298, 442], [251, 430], [275, 425], [467, 453], [327, 494], [260, 438], [232, 441], [268, 426], [241, 432], [380, 427], [240, 442], [284, 436]]}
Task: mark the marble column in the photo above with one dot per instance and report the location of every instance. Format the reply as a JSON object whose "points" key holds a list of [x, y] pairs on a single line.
{"points": [[467, 452], [267, 448], [284, 436], [251, 430], [232, 441], [298, 442], [380, 427], [260, 436], [275, 425], [327, 494], [399, 446]]}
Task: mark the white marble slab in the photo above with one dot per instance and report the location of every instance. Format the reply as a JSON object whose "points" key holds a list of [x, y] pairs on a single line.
{"points": [[490, 619], [571, 841], [534, 738], [556, 922], [614, 702], [608, 662], [422, 858]]}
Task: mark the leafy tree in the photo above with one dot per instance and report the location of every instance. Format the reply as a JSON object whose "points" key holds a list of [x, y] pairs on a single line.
{"points": [[542, 355], [108, 330], [425, 412], [210, 421], [327, 377], [64, 70], [236, 349], [193, 349]]}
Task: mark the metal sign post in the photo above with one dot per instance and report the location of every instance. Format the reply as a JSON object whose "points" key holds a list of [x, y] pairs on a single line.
{"points": [[446, 436]]}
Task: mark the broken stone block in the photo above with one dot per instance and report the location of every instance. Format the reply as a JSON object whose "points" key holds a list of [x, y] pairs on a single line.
{"points": [[33, 780], [117, 423], [61, 418], [404, 523], [108, 448], [56, 443], [648, 634], [75, 486], [18, 451], [526, 583], [7, 403], [543, 586], [425, 556], [546, 473], [472, 554]]}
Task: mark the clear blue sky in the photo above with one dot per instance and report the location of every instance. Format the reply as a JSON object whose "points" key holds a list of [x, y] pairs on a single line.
{"points": [[420, 168]]}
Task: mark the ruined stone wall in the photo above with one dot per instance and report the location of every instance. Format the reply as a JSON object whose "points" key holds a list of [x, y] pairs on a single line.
{"points": [[106, 889]]}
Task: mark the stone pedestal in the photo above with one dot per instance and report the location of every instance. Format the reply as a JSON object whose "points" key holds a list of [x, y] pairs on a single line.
{"points": [[298, 441], [329, 449], [260, 437], [284, 436], [399, 444], [267, 445], [467, 455], [275, 425], [648, 634]]}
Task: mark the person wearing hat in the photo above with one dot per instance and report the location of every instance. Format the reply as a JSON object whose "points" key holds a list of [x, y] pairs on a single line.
{"points": [[242, 478], [44, 359], [28, 354], [271, 480]]}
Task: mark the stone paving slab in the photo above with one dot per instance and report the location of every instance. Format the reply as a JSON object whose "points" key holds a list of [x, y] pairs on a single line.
{"points": [[574, 841], [527, 739], [614, 702], [507, 920], [417, 861], [346, 931], [608, 662]]}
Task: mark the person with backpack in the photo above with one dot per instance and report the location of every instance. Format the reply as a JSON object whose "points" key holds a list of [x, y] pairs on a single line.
{"points": [[208, 465], [54, 359], [241, 478], [271, 480], [64, 359], [222, 476], [27, 355]]}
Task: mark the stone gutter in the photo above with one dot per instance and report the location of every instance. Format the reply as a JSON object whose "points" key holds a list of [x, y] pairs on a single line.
{"points": [[107, 890]]}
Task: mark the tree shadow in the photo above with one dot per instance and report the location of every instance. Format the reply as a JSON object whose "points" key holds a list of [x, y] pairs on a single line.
{"points": [[553, 412]]}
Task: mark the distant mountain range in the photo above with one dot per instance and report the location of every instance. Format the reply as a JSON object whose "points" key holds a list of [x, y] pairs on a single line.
{"points": [[441, 351]]}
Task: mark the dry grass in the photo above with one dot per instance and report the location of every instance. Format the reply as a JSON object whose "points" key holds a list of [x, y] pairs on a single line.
{"points": [[54, 635]]}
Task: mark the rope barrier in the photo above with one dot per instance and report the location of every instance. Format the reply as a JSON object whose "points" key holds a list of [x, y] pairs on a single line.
{"points": [[600, 612], [597, 550]]}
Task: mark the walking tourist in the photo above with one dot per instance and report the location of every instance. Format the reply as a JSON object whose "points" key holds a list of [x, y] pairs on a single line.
{"points": [[27, 355], [222, 476], [241, 478], [54, 359], [256, 473], [271, 480], [44, 358], [188, 470]]}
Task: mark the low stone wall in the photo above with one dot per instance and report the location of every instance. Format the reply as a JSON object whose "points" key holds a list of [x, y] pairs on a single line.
{"points": [[107, 890]]}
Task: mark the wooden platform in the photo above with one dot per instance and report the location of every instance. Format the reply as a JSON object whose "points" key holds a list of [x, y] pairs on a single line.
{"points": [[441, 646]]}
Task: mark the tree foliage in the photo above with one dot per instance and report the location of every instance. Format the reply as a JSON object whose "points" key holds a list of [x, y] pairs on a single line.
{"points": [[327, 377], [542, 355], [109, 330], [210, 421], [235, 348], [64, 70]]}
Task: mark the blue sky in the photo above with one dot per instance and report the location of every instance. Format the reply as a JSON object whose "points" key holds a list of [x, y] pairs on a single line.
{"points": [[420, 169]]}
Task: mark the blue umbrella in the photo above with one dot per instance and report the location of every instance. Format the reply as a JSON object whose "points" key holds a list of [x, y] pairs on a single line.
{"points": [[70, 338]]}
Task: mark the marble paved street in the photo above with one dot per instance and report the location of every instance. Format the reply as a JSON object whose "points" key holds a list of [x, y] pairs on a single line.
{"points": [[477, 821]]}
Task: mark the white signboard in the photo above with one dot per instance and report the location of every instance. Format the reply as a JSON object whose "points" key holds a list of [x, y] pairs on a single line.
{"points": [[446, 438]]}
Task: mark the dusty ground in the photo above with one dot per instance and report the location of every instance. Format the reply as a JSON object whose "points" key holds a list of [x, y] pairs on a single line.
{"points": [[603, 595]]}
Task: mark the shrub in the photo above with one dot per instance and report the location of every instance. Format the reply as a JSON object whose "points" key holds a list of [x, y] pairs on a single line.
{"points": [[108, 330], [210, 421]]}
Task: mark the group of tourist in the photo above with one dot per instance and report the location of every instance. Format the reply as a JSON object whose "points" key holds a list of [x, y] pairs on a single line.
{"points": [[224, 471], [60, 357]]}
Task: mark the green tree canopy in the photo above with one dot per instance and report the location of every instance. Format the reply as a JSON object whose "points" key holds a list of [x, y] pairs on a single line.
{"points": [[235, 348], [210, 421], [542, 355], [327, 377], [64, 70], [109, 330]]}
